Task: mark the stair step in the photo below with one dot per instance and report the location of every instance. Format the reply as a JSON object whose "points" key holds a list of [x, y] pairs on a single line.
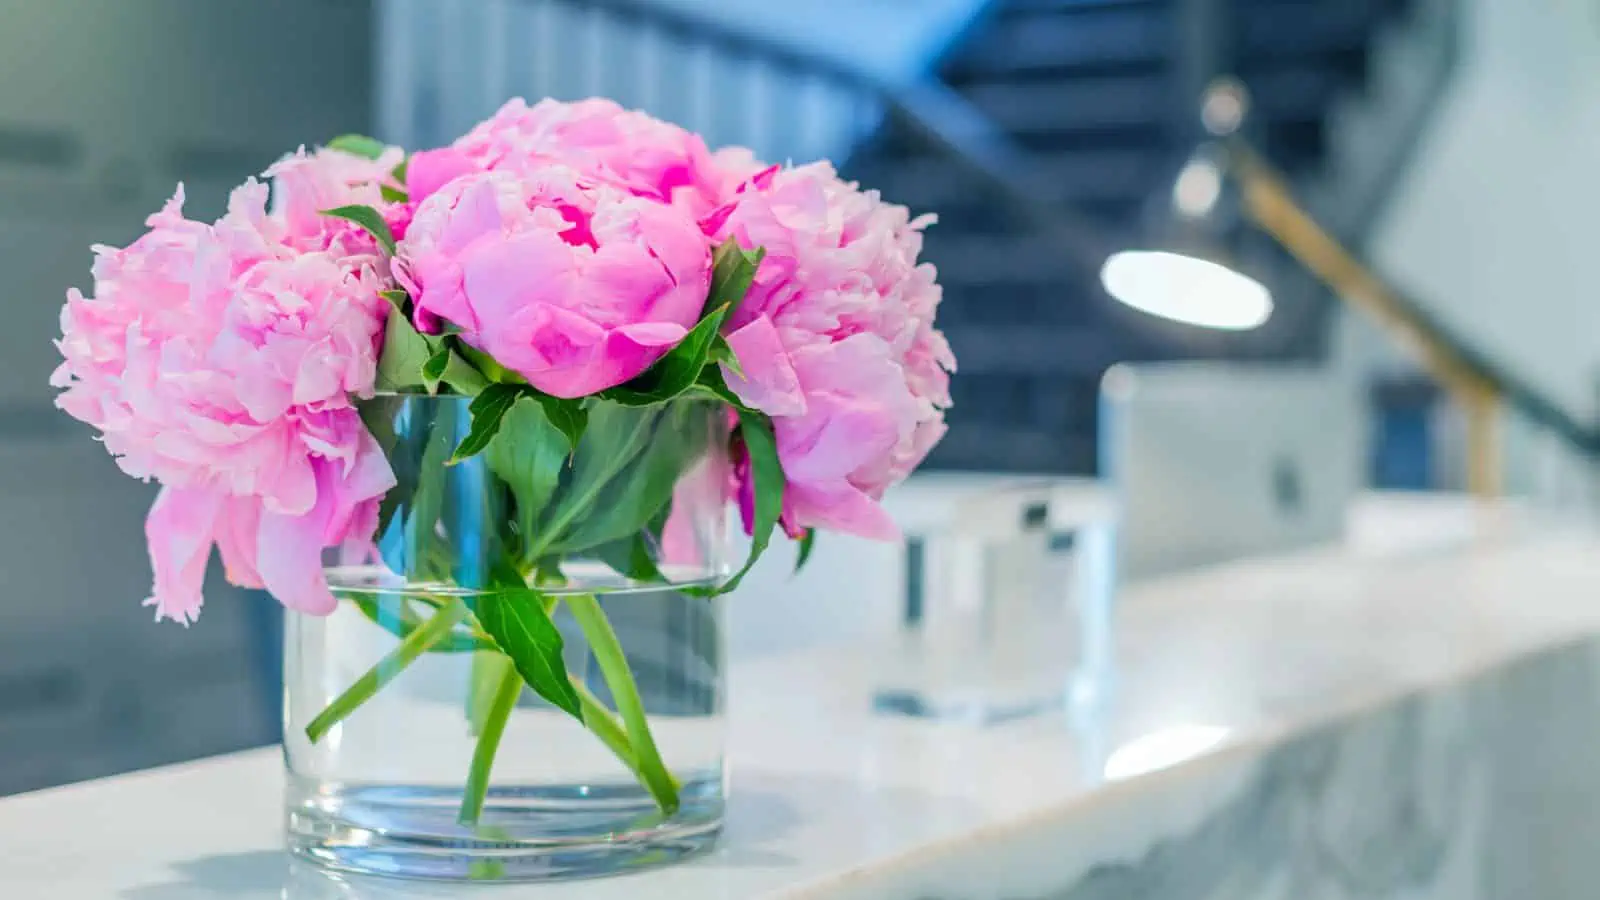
{"points": [[1011, 8], [1073, 104], [1070, 39], [1041, 351], [1099, 104], [1295, 30], [933, 183], [1119, 38], [965, 257], [1011, 304]]}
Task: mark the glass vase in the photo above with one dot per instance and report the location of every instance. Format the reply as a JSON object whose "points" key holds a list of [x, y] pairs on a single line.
{"points": [[427, 733]]}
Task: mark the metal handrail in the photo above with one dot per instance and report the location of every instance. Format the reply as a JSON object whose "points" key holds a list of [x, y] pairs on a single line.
{"points": [[1476, 378]]}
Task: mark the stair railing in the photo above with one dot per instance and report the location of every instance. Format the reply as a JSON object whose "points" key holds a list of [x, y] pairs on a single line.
{"points": [[951, 127]]}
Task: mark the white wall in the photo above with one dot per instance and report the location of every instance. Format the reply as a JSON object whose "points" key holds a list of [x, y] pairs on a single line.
{"points": [[1498, 225]]}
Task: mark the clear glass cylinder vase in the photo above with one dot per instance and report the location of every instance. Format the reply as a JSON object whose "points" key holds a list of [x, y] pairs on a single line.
{"points": [[428, 732]]}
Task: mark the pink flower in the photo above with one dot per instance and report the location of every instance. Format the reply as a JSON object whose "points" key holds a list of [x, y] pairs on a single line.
{"points": [[837, 342], [220, 360], [305, 184], [600, 140], [576, 286]]}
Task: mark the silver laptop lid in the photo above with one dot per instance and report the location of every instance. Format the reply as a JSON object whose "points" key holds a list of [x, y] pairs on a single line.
{"points": [[1217, 461]]}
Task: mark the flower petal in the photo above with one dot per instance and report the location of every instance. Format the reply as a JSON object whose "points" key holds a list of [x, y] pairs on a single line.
{"points": [[180, 530], [769, 382]]}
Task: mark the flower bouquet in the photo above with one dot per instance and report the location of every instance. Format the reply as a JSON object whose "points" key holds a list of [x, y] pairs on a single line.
{"points": [[474, 414]]}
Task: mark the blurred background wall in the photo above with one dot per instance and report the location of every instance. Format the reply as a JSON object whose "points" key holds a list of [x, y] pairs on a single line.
{"points": [[1495, 222], [103, 108], [1448, 140]]}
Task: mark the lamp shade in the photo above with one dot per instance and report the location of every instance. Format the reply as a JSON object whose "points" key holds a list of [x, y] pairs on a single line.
{"points": [[1186, 288], [1189, 271]]}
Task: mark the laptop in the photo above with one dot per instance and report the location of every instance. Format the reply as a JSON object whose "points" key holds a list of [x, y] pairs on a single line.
{"points": [[1211, 462]]}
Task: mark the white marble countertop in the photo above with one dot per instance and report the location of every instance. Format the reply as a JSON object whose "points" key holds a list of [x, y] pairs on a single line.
{"points": [[830, 800]]}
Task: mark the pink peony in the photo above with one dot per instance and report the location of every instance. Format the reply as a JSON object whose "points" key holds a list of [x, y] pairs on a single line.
{"points": [[305, 184], [219, 360], [837, 343], [601, 141], [576, 286]]}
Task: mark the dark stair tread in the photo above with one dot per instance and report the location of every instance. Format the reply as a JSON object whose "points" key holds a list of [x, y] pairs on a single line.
{"points": [[1102, 103], [1118, 38], [931, 183], [1039, 351]]}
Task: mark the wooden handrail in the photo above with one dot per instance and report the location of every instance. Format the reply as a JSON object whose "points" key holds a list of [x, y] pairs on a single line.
{"points": [[1480, 385]]}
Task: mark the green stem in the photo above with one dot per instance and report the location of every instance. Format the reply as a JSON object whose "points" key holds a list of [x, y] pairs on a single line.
{"points": [[613, 663], [418, 642], [382, 613], [494, 727], [488, 670], [603, 723]]}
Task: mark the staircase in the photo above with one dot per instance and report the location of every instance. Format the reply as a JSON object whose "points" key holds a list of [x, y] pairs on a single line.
{"points": [[1095, 99], [1093, 92]]}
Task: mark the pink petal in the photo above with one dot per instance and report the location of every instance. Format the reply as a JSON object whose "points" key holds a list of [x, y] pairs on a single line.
{"points": [[841, 507], [652, 334], [841, 435], [700, 496], [503, 279], [769, 382], [289, 553], [237, 540], [430, 170], [180, 530], [354, 516]]}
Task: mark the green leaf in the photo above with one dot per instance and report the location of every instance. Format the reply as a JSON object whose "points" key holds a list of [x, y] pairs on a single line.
{"points": [[517, 621], [367, 218], [463, 378], [712, 386], [630, 557], [405, 352], [423, 549], [807, 540], [767, 471], [568, 416], [488, 409], [358, 145], [398, 299], [722, 354], [399, 171], [377, 414], [675, 372], [433, 369], [733, 269], [491, 369], [528, 453], [447, 368], [613, 439], [625, 473], [393, 194]]}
